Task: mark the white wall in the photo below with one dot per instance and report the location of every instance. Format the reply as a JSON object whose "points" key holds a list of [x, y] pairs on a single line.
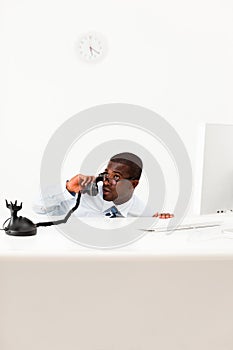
{"points": [[174, 57]]}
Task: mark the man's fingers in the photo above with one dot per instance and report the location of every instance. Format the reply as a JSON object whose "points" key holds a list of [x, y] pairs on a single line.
{"points": [[164, 215], [86, 180]]}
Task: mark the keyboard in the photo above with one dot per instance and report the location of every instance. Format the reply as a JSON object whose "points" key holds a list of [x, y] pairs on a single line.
{"points": [[187, 224]]}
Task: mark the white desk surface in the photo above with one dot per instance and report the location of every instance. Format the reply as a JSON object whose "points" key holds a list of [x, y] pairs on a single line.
{"points": [[161, 292], [204, 242]]}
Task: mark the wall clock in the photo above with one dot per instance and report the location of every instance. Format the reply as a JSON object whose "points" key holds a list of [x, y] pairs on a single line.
{"points": [[92, 47]]}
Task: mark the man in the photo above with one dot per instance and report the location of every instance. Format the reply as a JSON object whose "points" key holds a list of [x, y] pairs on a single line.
{"points": [[116, 196]]}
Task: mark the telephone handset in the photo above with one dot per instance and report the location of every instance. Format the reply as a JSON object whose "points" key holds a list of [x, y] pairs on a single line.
{"points": [[21, 226], [92, 188]]}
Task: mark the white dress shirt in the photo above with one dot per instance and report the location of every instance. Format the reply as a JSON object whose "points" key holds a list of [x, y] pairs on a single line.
{"points": [[90, 206]]}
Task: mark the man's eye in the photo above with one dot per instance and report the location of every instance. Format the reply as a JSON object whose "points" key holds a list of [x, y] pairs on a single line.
{"points": [[116, 177]]}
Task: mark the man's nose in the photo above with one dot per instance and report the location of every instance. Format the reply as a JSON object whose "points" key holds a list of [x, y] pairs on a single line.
{"points": [[106, 180]]}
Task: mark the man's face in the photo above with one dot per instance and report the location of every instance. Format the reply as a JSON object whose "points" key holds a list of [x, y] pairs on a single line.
{"points": [[121, 191]]}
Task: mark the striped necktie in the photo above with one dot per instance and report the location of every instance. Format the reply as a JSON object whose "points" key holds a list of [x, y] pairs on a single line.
{"points": [[112, 212]]}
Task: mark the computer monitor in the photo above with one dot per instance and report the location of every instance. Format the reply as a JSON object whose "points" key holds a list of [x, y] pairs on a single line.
{"points": [[217, 170]]}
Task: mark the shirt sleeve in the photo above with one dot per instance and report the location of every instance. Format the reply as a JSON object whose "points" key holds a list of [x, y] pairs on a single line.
{"points": [[139, 209], [91, 206], [54, 203]]}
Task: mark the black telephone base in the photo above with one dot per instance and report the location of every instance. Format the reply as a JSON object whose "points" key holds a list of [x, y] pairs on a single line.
{"points": [[21, 233]]}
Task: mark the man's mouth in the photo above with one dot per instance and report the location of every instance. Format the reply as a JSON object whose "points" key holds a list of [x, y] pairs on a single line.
{"points": [[106, 190]]}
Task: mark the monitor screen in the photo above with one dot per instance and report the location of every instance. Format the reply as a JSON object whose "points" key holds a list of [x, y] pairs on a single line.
{"points": [[217, 172]]}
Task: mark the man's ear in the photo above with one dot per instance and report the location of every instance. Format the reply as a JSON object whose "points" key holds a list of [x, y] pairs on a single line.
{"points": [[135, 183]]}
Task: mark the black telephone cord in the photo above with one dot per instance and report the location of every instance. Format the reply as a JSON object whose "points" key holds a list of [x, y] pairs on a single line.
{"points": [[62, 221]]}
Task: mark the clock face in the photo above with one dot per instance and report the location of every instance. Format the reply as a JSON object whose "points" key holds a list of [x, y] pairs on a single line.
{"points": [[91, 47]]}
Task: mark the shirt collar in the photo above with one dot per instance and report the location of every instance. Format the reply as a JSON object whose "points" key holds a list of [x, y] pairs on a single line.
{"points": [[123, 208]]}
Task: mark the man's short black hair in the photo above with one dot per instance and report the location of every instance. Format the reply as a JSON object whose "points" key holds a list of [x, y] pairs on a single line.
{"points": [[130, 159]]}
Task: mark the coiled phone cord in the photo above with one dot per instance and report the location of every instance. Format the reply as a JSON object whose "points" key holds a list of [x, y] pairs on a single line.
{"points": [[62, 221]]}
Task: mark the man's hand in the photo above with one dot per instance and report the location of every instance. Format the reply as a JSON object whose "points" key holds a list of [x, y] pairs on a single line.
{"points": [[79, 182], [163, 215]]}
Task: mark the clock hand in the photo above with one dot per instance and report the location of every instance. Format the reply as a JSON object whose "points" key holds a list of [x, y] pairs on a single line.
{"points": [[91, 48]]}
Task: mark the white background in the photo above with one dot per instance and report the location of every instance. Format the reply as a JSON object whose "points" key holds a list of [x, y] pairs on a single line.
{"points": [[174, 57]]}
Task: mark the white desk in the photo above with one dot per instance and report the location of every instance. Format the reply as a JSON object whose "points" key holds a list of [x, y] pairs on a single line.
{"points": [[162, 292]]}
